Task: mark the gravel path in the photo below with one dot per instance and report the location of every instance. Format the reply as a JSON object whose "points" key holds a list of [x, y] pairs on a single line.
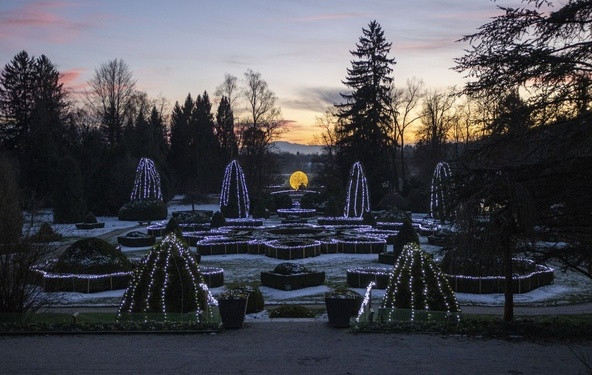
{"points": [[287, 348]]}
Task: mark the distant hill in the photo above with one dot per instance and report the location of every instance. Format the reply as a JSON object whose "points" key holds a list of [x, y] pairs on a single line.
{"points": [[281, 146]]}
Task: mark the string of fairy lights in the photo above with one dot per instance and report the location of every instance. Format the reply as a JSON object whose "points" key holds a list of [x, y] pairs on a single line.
{"points": [[147, 182], [234, 184], [358, 199]]}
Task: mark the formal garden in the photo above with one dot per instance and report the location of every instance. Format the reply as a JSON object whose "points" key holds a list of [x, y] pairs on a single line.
{"points": [[215, 265]]}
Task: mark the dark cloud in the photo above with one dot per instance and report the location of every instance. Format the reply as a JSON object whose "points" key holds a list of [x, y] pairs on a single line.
{"points": [[317, 99]]}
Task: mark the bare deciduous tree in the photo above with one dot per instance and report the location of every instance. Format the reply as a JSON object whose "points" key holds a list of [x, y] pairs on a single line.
{"points": [[109, 95]]}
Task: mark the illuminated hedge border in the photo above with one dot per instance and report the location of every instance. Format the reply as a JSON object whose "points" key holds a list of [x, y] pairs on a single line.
{"points": [[361, 277], [542, 276], [292, 249]]}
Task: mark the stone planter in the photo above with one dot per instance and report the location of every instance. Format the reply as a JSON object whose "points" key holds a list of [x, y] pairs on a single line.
{"points": [[340, 310], [232, 312], [292, 282]]}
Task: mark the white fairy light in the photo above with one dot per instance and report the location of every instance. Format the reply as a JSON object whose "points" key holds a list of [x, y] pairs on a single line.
{"points": [[147, 182], [234, 184], [440, 190], [357, 201]]}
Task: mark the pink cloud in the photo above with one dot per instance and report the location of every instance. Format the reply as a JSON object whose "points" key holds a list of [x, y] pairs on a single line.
{"points": [[70, 79], [41, 20]]}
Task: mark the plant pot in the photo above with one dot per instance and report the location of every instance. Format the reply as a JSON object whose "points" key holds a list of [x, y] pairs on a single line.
{"points": [[340, 310], [232, 312]]}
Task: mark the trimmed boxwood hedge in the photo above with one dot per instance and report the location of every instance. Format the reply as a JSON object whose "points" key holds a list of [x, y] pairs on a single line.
{"points": [[143, 210], [291, 276], [136, 239]]}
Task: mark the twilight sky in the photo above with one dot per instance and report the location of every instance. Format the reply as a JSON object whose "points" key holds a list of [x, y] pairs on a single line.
{"points": [[301, 47]]}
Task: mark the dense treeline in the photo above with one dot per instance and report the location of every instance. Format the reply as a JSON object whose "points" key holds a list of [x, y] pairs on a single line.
{"points": [[89, 147]]}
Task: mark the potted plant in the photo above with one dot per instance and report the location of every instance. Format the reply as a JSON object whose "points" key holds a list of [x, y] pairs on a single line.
{"points": [[233, 307], [342, 304]]}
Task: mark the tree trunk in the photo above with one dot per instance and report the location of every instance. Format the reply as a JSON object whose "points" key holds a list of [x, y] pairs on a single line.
{"points": [[508, 291]]}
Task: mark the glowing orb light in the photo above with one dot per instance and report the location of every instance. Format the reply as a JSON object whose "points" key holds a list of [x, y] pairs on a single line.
{"points": [[298, 179]]}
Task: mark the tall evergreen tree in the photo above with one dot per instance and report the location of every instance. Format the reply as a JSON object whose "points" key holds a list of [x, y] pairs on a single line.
{"points": [[32, 110], [364, 117], [205, 150], [178, 155], [225, 130]]}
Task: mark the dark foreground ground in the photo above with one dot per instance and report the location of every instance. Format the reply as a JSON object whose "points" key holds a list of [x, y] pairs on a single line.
{"points": [[287, 348]]}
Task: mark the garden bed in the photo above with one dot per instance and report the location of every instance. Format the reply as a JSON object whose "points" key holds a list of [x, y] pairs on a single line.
{"points": [[222, 246], [542, 276], [292, 282], [361, 245], [57, 282], [361, 277], [213, 276]]}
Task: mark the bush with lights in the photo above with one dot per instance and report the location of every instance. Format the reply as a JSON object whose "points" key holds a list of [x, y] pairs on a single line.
{"points": [[417, 290], [146, 201], [168, 280]]}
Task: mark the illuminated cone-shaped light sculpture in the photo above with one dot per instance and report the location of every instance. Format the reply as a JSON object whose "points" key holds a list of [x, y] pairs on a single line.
{"points": [[146, 201], [147, 181], [357, 201], [417, 290], [168, 280], [440, 191], [234, 196]]}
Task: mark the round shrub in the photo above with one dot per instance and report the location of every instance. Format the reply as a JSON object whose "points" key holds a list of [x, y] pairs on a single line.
{"points": [[406, 235], [92, 256], [291, 311], [143, 210], [309, 200], [417, 284], [332, 208], [168, 280], [368, 219], [218, 220]]}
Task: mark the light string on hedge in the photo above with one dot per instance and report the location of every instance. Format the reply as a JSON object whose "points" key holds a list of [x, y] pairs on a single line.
{"points": [[439, 190], [357, 190], [234, 183], [146, 182]]}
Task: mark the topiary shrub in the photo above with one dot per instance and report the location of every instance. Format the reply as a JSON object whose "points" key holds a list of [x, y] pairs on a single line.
{"points": [[406, 235], [218, 220], [291, 311], [68, 198], [46, 234], [282, 201], [168, 280], [417, 286], [92, 256], [143, 210]]}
